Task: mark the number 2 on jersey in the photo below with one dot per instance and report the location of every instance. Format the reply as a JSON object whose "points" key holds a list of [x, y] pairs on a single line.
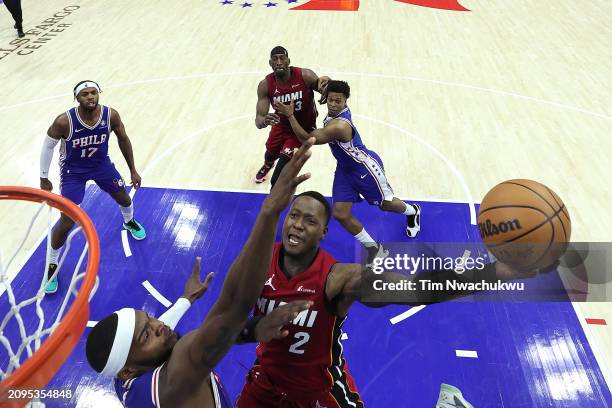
{"points": [[303, 338], [91, 150]]}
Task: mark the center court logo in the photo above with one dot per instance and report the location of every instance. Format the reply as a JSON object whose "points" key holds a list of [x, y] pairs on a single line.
{"points": [[335, 5]]}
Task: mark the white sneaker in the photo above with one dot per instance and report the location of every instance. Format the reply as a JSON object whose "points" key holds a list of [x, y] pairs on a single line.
{"points": [[451, 397], [413, 222], [374, 252]]}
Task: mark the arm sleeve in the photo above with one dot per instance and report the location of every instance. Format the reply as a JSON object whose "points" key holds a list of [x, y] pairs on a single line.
{"points": [[172, 316], [46, 154]]}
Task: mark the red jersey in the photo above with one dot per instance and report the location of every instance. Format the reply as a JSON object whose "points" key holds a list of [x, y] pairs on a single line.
{"points": [[310, 357], [296, 90]]}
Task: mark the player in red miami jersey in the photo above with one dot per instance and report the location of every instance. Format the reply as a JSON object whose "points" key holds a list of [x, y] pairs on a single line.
{"points": [[306, 369], [284, 84]]}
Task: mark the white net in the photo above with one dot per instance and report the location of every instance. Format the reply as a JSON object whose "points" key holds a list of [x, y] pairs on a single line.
{"points": [[28, 319]]}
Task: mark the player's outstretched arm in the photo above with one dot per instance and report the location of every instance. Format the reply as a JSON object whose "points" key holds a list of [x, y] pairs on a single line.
{"points": [[348, 283], [337, 130], [57, 130], [125, 145], [202, 350], [263, 116]]}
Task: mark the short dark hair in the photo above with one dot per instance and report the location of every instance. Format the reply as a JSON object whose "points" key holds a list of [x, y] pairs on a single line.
{"points": [[100, 342], [340, 87], [320, 198], [279, 50]]}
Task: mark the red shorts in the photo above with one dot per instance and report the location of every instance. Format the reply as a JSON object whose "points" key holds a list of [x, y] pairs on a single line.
{"points": [[282, 141], [260, 392]]}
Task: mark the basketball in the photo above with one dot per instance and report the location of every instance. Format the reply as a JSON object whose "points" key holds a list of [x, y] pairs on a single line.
{"points": [[524, 224]]}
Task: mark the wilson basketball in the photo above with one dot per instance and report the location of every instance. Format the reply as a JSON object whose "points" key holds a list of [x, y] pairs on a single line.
{"points": [[524, 224]]}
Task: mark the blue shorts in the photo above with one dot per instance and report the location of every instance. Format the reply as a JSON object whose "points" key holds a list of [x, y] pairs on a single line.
{"points": [[106, 176], [366, 179]]}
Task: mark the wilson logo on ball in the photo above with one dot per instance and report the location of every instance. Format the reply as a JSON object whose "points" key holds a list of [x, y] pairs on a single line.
{"points": [[489, 229]]}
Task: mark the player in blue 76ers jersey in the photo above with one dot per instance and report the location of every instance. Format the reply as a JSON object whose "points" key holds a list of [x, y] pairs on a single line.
{"points": [[359, 171], [84, 132]]}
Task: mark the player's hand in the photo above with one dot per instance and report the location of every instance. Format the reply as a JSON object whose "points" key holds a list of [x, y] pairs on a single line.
{"points": [[289, 179], [286, 110], [194, 288], [136, 179], [271, 119], [270, 327], [322, 87], [45, 184]]}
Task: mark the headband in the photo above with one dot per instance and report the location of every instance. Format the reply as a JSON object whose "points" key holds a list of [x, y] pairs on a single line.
{"points": [[126, 323], [86, 84]]}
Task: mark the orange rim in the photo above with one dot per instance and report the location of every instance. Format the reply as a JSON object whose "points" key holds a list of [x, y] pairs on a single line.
{"points": [[37, 370]]}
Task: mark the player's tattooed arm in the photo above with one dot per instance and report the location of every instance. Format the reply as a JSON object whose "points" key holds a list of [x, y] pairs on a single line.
{"points": [[263, 116], [125, 145]]}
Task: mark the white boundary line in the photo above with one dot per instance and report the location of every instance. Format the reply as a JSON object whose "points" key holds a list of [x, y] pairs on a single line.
{"points": [[265, 192], [155, 293], [126, 244], [330, 72], [436, 152], [592, 340], [403, 316], [466, 353]]}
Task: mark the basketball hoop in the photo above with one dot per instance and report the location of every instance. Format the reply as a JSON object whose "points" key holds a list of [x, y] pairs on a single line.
{"points": [[46, 360]]}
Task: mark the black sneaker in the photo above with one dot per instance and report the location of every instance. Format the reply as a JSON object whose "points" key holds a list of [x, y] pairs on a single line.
{"points": [[260, 177], [20, 33], [377, 251], [413, 222]]}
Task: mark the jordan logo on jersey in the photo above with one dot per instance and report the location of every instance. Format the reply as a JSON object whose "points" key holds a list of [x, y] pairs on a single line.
{"points": [[89, 140], [305, 318], [293, 96], [269, 283]]}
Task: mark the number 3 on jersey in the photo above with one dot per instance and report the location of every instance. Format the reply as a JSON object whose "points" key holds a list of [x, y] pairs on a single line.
{"points": [[302, 338], [90, 151], [298, 106]]}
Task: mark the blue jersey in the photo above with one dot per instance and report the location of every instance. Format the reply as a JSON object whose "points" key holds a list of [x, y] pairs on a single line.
{"points": [[351, 155], [86, 147], [360, 171], [143, 391]]}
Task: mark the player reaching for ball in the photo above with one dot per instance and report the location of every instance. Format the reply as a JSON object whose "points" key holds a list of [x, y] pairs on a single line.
{"points": [[307, 369], [152, 366], [359, 171]]}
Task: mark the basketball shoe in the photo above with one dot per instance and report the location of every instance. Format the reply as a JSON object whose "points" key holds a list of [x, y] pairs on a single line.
{"points": [[375, 252], [451, 397], [413, 222], [138, 232], [260, 177], [51, 284]]}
